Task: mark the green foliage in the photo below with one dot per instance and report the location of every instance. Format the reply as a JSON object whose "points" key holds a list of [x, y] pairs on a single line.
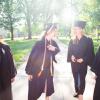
{"points": [[8, 15], [37, 28], [20, 49], [65, 40], [64, 30], [45, 11], [96, 44]]}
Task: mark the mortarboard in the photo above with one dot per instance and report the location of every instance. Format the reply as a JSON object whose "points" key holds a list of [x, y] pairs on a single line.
{"points": [[80, 24], [50, 26]]}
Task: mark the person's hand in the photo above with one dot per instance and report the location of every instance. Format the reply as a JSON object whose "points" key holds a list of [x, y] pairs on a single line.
{"points": [[80, 60], [12, 80], [30, 77], [73, 58], [51, 48]]}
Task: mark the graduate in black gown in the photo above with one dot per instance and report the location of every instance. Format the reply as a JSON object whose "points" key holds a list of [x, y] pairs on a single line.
{"points": [[7, 71], [96, 70], [80, 54], [40, 65]]}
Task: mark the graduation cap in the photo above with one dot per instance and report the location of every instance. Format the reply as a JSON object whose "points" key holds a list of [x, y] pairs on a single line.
{"points": [[50, 26], [80, 24]]}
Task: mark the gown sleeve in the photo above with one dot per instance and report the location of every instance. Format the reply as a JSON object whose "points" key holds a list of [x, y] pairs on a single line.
{"points": [[32, 57], [57, 49], [96, 63], [89, 56], [12, 68]]}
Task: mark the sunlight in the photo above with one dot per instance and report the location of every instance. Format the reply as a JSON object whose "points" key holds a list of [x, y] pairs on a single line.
{"points": [[55, 19], [68, 15]]}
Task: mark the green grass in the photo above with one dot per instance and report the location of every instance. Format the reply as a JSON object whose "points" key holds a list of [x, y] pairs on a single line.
{"points": [[20, 48]]}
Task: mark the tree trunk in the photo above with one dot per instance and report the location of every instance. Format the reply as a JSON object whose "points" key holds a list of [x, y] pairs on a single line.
{"points": [[29, 28], [10, 21], [11, 27], [12, 34], [28, 20]]}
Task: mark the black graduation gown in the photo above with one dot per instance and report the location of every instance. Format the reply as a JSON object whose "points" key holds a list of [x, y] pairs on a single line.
{"points": [[96, 70], [81, 49], [7, 72], [37, 84]]}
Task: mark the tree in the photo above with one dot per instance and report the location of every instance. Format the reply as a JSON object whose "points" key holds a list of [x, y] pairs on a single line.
{"points": [[25, 9], [95, 14], [8, 16]]}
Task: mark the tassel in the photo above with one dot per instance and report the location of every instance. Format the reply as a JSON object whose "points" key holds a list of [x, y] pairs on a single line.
{"points": [[39, 74], [42, 67]]}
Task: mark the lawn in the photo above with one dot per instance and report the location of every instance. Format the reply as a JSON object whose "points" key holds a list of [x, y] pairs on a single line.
{"points": [[20, 48]]}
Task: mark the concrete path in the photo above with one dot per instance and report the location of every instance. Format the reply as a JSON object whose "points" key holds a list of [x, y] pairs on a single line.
{"points": [[63, 81]]}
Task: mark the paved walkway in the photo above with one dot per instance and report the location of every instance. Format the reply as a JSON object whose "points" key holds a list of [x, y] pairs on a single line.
{"points": [[63, 81]]}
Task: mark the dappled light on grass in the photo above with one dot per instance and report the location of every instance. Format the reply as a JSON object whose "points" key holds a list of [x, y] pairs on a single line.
{"points": [[20, 49]]}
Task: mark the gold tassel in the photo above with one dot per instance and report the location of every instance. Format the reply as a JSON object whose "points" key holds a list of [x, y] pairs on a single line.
{"points": [[39, 74]]}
